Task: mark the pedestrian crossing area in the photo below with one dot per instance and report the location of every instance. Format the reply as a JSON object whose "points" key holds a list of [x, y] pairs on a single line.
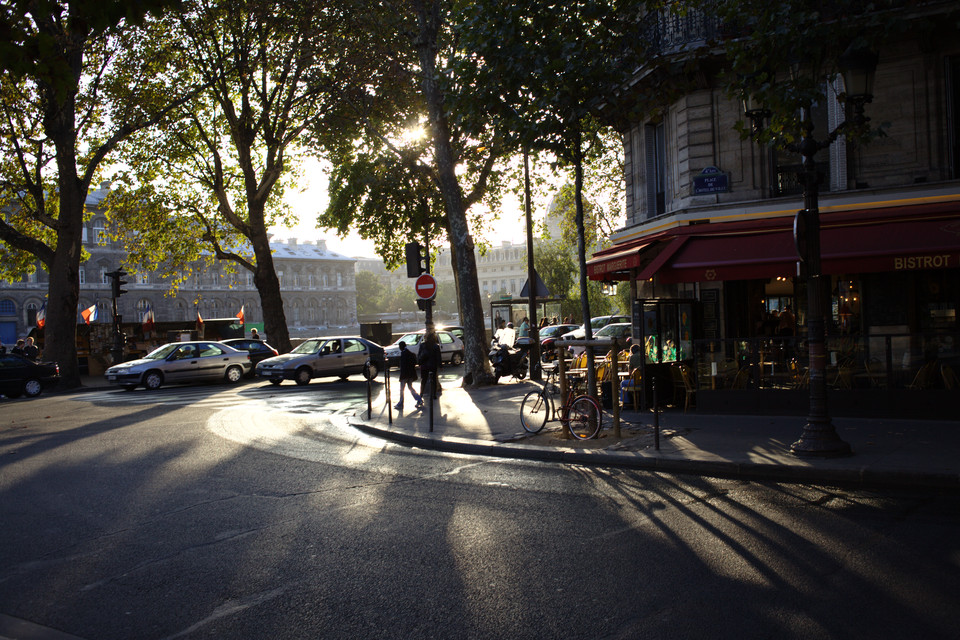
{"points": [[309, 399]]}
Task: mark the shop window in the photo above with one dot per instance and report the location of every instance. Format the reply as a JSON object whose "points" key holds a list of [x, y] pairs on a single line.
{"points": [[667, 330]]}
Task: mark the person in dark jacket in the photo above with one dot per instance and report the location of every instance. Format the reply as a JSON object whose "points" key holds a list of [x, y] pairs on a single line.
{"points": [[429, 359], [408, 375], [18, 348], [31, 351]]}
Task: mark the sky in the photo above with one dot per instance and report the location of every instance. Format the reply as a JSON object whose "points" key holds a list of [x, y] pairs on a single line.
{"points": [[312, 198]]}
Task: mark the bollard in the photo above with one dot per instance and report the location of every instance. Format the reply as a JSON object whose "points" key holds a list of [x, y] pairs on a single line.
{"points": [[369, 391], [615, 387], [562, 366], [431, 381], [386, 390], [656, 416]]}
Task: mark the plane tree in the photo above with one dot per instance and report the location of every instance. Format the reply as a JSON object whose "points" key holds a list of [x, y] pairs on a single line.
{"points": [[74, 84], [272, 69], [394, 191]]}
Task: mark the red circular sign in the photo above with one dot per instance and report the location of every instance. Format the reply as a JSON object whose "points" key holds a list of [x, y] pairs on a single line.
{"points": [[426, 286]]}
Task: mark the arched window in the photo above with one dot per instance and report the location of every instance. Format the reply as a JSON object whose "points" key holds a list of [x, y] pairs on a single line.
{"points": [[142, 306]]}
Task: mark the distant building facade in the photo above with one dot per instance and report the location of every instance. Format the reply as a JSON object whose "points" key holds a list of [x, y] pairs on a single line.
{"points": [[318, 287]]}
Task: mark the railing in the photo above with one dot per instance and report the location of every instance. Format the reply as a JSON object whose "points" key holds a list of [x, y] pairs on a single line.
{"points": [[665, 32], [885, 361]]}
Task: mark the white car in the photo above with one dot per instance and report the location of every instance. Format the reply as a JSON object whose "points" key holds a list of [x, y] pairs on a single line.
{"points": [[622, 331], [182, 362], [451, 347], [596, 324]]}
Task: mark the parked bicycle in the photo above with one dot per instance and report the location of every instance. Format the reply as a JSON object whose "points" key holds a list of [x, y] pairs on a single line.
{"points": [[580, 412]]}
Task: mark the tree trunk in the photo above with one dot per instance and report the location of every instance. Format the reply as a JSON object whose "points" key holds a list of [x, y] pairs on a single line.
{"points": [[60, 332], [582, 258], [268, 286], [476, 365]]}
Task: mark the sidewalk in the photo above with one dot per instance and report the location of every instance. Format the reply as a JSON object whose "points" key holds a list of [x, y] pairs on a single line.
{"points": [[888, 453]]}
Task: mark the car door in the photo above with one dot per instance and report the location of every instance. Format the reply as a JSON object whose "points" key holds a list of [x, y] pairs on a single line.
{"points": [[182, 364], [354, 356], [212, 361], [12, 370], [329, 358], [447, 346]]}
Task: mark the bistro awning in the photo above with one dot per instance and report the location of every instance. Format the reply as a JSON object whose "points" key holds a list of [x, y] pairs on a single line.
{"points": [[899, 239]]}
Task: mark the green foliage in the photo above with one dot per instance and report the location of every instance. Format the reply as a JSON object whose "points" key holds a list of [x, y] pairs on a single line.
{"points": [[370, 293]]}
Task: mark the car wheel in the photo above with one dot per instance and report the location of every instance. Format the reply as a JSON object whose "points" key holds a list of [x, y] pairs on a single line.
{"points": [[456, 359], [370, 370], [32, 388], [233, 374], [303, 376], [275, 381], [153, 380]]}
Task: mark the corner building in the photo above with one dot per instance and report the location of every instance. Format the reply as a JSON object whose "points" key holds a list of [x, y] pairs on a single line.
{"points": [[710, 254]]}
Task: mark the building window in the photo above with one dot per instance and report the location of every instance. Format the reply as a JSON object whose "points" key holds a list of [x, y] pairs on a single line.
{"points": [[83, 275], [31, 309], [99, 232], [953, 119], [103, 276], [7, 308], [310, 280], [142, 306], [280, 277], [339, 279], [143, 278], [296, 280], [656, 165]]}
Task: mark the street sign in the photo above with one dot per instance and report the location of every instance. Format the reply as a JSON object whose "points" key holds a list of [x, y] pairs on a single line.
{"points": [[426, 287]]}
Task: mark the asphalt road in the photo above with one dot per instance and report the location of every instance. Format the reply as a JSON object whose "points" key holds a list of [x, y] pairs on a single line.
{"points": [[255, 512]]}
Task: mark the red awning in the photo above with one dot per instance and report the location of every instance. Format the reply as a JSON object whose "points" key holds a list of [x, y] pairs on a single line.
{"points": [[848, 245]]}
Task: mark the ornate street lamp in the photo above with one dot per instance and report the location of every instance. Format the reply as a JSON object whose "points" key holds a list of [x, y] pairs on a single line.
{"points": [[819, 437]]}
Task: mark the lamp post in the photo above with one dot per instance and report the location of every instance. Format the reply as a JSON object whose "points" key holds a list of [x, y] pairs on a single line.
{"points": [[819, 437]]}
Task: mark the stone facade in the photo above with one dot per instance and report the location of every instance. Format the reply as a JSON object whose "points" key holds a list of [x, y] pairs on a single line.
{"points": [[318, 287]]}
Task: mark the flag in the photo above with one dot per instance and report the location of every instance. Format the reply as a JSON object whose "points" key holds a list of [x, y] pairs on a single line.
{"points": [[240, 315], [89, 314], [199, 321], [42, 316], [148, 320]]}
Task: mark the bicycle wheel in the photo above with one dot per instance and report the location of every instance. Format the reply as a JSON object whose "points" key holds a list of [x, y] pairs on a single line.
{"points": [[584, 418], [534, 411]]}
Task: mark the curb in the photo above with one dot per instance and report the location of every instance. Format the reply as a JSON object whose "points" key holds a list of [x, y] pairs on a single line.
{"points": [[859, 478]]}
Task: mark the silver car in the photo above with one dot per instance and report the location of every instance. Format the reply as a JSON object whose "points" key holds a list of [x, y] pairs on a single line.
{"points": [[182, 362], [451, 347], [340, 356]]}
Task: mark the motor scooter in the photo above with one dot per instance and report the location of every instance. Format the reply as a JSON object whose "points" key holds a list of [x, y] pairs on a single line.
{"points": [[510, 361]]}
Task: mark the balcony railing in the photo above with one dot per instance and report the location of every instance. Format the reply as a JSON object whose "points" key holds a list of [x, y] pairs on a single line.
{"points": [[664, 33]]}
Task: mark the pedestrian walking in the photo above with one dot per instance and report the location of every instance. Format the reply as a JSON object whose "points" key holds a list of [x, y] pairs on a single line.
{"points": [[429, 359], [408, 375]]}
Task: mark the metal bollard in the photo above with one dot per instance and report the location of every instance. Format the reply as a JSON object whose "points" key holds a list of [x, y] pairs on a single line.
{"points": [[656, 415]]}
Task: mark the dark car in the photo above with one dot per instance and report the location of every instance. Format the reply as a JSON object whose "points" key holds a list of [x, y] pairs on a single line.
{"points": [[21, 376], [259, 350], [340, 356], [548, 336]]}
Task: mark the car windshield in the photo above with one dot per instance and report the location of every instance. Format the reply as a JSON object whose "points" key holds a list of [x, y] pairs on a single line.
{"points": [[309, 346], [617, 330], [411, 338], [162, 352]]}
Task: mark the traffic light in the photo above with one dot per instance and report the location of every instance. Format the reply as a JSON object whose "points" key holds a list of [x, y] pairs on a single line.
{"points": [[117, 282], [415, 259]]}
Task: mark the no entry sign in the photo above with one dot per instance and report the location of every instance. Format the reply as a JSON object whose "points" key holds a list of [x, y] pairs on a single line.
{"points": [[426, 286]]}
